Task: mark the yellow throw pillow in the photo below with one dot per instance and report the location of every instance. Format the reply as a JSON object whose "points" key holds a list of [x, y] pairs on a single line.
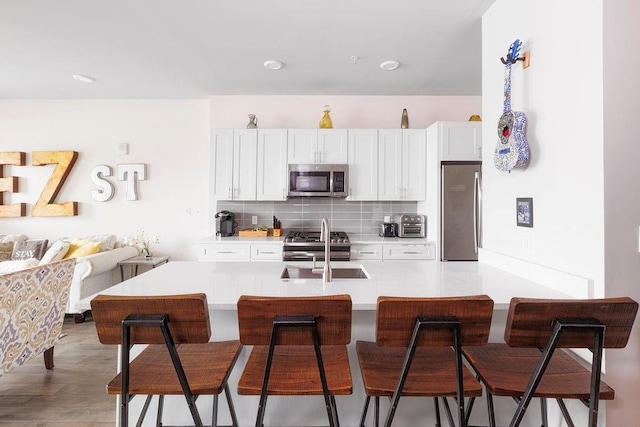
{"points": [[79, 248]]}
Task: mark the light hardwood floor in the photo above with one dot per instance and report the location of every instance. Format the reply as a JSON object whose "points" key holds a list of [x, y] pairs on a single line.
{"points": [[73, 394]]}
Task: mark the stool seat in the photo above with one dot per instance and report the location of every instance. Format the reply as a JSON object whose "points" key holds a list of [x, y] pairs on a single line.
{"points": [[429, 376], [205, 365], [506, 371], [295, 368]]}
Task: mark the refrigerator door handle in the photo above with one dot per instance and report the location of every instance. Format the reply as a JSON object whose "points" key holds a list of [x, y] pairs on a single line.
{"points": [[476, 195]]}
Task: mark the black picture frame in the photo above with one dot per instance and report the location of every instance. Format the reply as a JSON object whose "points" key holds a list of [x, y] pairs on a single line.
{"points": [[524, 211]]}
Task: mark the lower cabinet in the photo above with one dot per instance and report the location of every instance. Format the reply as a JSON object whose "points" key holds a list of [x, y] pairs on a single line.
{"points": [[366, 252], [273, 251], [266, 252], [409, 251], [224, 252], [240, 252], [396, 251]]}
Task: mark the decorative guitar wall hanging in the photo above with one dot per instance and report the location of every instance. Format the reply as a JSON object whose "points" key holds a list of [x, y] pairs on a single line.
{"points": [[512, 150]]}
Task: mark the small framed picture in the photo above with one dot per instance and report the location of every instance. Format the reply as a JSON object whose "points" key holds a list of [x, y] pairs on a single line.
{"points": [[524, 211]]}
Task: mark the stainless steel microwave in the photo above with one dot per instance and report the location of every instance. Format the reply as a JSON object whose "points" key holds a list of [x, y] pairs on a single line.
{"points": [[317, 179]]}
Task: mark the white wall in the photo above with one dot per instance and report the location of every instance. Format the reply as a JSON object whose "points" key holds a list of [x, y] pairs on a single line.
{"points": [[170, 136], [561, 95], [346, 111], [622, 198]]}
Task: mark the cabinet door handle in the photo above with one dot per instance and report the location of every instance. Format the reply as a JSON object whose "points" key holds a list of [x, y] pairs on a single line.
{"points": [[225, 252], [267, 252], [229, 193], [368, 252], [411, 252]]}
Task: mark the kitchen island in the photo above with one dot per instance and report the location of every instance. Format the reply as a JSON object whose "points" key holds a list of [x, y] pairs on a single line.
{"points": [[224, 282]]}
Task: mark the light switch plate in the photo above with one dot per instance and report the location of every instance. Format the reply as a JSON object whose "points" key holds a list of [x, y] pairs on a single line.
{"points": [[123, 148]]}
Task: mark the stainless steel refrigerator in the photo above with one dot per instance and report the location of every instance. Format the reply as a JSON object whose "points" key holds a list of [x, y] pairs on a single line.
{"points": [[461, 216]]}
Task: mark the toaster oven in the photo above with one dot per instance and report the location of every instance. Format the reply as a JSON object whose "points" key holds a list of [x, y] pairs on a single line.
{"points": [[411, 225]]}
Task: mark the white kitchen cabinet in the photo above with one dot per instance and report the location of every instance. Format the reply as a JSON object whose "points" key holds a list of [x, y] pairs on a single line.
{"points": [[272, 165], [401, 164], [366, 252], [317, 146], [460, 140], [233, 164], [266, 252], [410, 251], [363, 165], [224, 252]]}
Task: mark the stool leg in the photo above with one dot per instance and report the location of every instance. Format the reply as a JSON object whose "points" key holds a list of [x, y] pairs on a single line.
{"points": [[214, 411], [334, 410], [490, 412], [437, 411], [160, 408], [364, 411], [543, 412], [565, 413], [447, 412], [232, 409], [377, 411], [143, 413]]}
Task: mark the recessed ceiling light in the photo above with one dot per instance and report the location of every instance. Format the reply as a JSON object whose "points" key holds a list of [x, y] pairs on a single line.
{"points": [[389, 65], [272, 65], [83, 78]]}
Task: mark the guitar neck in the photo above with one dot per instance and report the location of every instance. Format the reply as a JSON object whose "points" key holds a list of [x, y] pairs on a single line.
{"points": [[507, 88]]}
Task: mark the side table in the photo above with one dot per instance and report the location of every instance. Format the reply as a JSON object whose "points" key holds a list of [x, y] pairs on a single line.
{"points": [[136, 261]]}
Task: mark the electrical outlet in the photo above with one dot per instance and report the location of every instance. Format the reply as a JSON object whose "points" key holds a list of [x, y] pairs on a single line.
{"points": [[254, 219], [387, 218]]}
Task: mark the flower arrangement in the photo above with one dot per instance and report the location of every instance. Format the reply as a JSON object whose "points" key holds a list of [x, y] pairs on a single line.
{"points": [[143, 242]]}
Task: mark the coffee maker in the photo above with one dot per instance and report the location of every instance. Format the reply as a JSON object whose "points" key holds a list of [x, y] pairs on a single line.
{"points": [[226, 223]]}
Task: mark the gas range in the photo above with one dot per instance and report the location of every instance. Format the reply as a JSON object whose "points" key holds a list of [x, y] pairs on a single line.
{"points": [[305, 245]]}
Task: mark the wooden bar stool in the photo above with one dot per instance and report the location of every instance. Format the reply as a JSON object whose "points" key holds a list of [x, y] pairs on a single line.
{"points": [[300, 348], [179, 359], [533, 362], [417, 351]]}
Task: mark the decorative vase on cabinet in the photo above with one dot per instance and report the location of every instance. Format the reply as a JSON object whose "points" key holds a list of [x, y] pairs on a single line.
{"points": [[325, 121], [253, 122], [404, 123]]}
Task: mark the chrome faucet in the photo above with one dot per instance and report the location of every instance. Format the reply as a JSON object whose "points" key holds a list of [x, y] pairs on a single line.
{"points": [[325, 236]]}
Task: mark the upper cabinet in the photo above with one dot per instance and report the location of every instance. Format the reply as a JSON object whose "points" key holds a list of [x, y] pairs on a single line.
{"points": [[272, 165], [233, 164], [363, 164], [317, 146], [384, 164], [401, 164], [248, 164], [460, 140]]}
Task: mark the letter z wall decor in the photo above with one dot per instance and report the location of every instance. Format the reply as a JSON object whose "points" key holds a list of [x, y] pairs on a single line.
{"points": [[64, 161]]}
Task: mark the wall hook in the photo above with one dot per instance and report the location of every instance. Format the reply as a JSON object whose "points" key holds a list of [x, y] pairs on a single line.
{"points": [[512, 56]]}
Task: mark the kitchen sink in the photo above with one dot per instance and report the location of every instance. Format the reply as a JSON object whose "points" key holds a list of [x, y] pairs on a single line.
{"points": [[293, 272]]}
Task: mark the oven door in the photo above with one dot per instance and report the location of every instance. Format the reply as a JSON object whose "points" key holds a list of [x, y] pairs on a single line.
{"points": [[300, 254]]}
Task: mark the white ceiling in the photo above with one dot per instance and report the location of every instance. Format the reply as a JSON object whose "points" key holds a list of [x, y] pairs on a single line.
{"points": [[198, 48]]}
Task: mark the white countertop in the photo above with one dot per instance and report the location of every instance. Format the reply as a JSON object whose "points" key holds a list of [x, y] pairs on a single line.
{"points": [[224, 282], [354, 238]]}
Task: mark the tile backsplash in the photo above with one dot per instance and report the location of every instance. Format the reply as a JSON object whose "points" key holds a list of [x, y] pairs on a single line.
{"points": [[305, 213]]}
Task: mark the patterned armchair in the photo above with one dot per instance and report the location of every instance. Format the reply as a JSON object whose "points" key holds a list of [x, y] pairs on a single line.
{"points": [[32, 308]]}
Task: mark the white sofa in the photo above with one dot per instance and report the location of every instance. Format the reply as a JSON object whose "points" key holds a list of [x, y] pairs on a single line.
{"points": [[95, 273], [92, 273]]}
